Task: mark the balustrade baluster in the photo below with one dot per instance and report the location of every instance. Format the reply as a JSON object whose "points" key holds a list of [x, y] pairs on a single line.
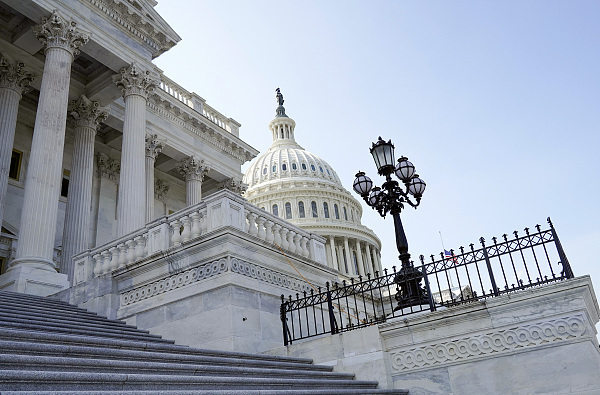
{"points": [[186, 233], [196, 231], [260, 223], [176, 237], [252, 229], [140, 247], [130, 248], [303, 244], [284, 243], [277, 234], [297, 246], [122, 260], [114, 260], [290, 239], [269, 231], [98, 260], [203, 222]]}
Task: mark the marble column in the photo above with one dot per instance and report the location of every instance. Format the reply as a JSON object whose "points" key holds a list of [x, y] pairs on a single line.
{"points": [[378, 259], [349, 262], [44, 174], [193, 170], [369, 260], [136, 85], [334, 262], [13, 80], [87, 115], [360, 264], [153, 147]]}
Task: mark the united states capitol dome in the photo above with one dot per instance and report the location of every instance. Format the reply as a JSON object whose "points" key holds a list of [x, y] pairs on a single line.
{"points": [[298, 186]]}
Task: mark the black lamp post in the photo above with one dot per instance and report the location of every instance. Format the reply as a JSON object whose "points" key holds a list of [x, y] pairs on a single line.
{"points": [[390, 198]]}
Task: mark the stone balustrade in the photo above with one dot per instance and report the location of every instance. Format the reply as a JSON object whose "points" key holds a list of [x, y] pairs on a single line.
{"points": [[194, 101], [173, 232]]}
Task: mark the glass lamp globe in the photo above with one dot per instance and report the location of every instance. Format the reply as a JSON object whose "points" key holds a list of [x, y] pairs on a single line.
{"points": [[362, 184], [383, 155], [404, 169], [374, 196], [416, 187]]}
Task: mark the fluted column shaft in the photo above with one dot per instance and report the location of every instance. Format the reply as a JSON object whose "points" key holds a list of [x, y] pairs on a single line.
{"points": [[13, 79], [44, 174], [349, 262], [136, 85], [369, 260], [360, 264], [87, 116], [378, 259], [153, 147], [334, 261]]}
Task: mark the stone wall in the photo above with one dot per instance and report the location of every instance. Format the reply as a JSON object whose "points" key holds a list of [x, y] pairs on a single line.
{"points": [[541, 340]]}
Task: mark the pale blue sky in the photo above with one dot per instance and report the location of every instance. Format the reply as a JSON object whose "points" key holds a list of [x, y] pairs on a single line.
{"points": [[496, 103]]}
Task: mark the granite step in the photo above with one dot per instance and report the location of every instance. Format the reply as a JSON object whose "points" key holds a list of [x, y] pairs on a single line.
{"points": [[73, 364], [24, 324], [37, 301], [224, 392], [81, 322], [37, 380], [190, 356], [70, 315]]}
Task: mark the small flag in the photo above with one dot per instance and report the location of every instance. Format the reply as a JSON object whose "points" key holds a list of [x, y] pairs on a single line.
{"points": [[450, 257]]}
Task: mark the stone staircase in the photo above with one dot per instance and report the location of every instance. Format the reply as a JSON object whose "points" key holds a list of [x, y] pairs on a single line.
{"points": [[51, 347]]}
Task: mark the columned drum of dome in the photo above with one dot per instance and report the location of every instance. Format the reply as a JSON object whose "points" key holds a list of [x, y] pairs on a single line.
{"points": [[300, 187]]}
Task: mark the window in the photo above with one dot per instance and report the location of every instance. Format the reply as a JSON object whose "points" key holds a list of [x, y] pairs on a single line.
{"points": [[345, 214], [265, 170], [328, 173], [284, 167], [301, 209], [64, 187], [304, 166], [274, 168], [320, 168], [14, 171], [275, 210], [345, 260], [312, 167], [326, 209], [313, 206], [352, 215], [288, 211], [336, 211], [294, 167], [355, 262]]}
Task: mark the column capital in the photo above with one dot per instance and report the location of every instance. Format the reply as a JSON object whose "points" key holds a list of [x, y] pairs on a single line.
{"points": [[135, 81], [86, 113], [57, 32], [160, 189], [108, 167], [234, 185], [193, 169], [153, 146], [13, 74]]}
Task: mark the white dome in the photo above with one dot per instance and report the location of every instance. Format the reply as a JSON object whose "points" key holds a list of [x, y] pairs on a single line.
{"points": [[302, 188]]}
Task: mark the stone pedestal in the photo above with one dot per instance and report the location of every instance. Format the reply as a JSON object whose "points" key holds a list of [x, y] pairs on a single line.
{"points": [[153, 147], [13, 79], [136, 85], [44, 174], [194, 171], [86, 115]]}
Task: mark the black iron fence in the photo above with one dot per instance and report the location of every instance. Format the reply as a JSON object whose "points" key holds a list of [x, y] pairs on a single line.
{"points": [[505, 265]]}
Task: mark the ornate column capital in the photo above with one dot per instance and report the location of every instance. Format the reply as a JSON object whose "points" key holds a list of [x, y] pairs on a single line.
{"points": [[234, 185], [13, 75], [160, 189], [56, 32], [134, 81], [86, 113], [153, 146], [108, 167], [193, 169]]}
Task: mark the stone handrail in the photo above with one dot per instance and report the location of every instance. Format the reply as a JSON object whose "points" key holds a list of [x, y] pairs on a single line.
{"points": [[192, 100], [221, 209]]}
